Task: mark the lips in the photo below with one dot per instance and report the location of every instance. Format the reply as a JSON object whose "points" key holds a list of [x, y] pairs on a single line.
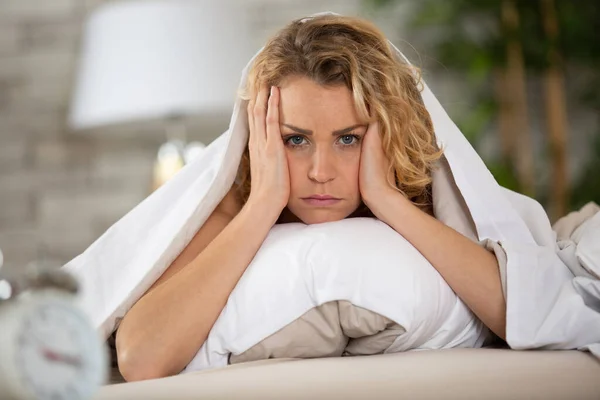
{"points": [[321, 200]]}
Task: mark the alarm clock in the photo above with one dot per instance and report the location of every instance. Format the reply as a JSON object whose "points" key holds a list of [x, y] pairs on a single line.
{"points": [[48, 347]]}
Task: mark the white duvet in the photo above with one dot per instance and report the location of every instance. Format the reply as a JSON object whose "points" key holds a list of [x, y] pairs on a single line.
{"points": [[547, 306]]}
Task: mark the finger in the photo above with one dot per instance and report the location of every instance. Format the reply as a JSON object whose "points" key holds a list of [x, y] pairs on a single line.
{"points": [[250, 111], [272, 120], [372, 146], [370, 134], [375, 138], [376, 149], [373, 129], [260, 114]]}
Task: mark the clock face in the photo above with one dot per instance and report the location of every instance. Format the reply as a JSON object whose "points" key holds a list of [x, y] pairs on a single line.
{"points": [[58, 353]]}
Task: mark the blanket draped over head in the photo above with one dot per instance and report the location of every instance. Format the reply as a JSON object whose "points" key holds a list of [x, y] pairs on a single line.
{"points": [[548, 305]]}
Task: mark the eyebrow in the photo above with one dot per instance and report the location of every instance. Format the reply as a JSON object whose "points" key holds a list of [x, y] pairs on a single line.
{"points": [[334, 133]]}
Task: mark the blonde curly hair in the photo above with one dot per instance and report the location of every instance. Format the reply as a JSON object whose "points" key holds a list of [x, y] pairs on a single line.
{"points": [[338, 50]]}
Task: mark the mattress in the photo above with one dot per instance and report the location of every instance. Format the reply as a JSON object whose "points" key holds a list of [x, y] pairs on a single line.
{"points": [[430, 374]]}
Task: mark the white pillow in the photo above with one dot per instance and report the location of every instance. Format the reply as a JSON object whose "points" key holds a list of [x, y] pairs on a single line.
{"points": [[360, 260]]}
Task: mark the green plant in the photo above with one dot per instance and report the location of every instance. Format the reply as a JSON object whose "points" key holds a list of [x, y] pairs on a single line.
{"points": [[495, 45]]}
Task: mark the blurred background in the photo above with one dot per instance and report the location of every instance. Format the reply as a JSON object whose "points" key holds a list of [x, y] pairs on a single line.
{"points": [[102, 101]]}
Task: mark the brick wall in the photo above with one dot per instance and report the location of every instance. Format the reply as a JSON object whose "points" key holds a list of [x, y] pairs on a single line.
{"points": [[60, 190]]}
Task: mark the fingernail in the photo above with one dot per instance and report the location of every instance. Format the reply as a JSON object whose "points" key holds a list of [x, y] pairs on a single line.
{"points": [[272, 90]]}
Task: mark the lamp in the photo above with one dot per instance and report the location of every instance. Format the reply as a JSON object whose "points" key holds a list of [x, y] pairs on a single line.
{"points": [[148, 59]]}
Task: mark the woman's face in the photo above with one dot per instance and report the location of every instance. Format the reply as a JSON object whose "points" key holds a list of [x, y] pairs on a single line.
{"points": [[322, 135]]}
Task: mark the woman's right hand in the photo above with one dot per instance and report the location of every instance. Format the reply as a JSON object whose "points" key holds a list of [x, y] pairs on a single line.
{"points": [[269, 172]]}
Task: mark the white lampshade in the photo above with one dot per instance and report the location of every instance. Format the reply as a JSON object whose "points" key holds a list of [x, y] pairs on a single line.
{"points": [[146, 59]]}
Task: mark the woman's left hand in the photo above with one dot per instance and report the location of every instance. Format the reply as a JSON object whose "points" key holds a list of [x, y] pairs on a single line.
{"points": [[375, 176], [459, 260]]}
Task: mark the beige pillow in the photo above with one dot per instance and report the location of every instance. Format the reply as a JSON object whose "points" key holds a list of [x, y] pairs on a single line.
{"points": [[331, 330]]}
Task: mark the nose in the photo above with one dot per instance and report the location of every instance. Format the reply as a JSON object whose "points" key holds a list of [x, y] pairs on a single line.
{"points": [[322, 168]]}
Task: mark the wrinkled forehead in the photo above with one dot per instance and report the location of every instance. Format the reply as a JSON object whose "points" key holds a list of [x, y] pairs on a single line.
{"points": [[305, 103]]}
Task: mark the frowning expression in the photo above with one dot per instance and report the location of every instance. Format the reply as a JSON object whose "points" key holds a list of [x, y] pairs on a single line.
{"points": [[322, 135]]}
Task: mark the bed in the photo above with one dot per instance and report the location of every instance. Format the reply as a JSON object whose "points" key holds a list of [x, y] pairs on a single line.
{"points": [[461, 373], [458, 373]]}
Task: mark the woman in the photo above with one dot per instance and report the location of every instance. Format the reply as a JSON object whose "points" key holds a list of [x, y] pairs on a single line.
{"points": [[337, 129]]}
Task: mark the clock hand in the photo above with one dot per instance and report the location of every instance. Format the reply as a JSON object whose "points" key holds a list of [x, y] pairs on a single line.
{"points": [[55, 356]]}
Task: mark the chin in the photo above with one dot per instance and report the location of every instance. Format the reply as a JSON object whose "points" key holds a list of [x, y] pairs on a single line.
{"points": [[320, 220], [321, 216]]}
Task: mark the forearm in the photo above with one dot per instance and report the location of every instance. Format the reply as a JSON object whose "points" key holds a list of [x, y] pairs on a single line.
{"points": [[166, 327], [470, 270]]}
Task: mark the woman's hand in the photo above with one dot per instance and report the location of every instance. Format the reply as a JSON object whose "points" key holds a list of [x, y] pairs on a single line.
{"points": [[375, 176], [269, 173]]}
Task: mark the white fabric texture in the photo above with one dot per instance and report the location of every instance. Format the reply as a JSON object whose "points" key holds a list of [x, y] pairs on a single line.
{"points": [[588, 247], [578, 241], [360, 260], [547, 306]]}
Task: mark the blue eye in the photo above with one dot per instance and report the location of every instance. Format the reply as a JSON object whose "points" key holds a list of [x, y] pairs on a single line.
{"points": [[349, 140], [295, 140]]}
